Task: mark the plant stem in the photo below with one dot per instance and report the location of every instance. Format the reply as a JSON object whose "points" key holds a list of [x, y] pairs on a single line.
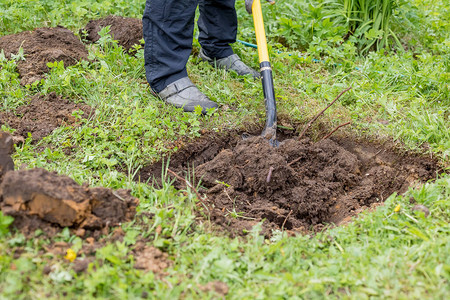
{"points": [[320, 113], [335, 129], [187, 184]]}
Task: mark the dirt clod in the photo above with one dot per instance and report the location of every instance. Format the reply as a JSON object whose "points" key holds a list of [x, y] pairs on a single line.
{"points": [[6, 146], [422, 208], [149, 258], [81, 265], [6, 143], [126, 31], [41, 46], [42, 115], [219, 287], [47, 269], [41, 199]]}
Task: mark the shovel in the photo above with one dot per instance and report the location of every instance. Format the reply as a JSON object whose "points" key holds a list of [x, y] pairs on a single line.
{"points": [[270, 130]]}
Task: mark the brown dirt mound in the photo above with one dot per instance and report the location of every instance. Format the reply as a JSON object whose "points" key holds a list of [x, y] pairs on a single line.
{"points": [[299, 186], [6, 148], [127, 31], [41, 46], [43, 115], [39, 199]]}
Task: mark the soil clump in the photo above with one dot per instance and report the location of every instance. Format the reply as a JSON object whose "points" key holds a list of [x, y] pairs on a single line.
{"points": [[6, 148], [41, 46], [299, 186], [126, 31], [39, 199], [149, 258], [43, 115]]}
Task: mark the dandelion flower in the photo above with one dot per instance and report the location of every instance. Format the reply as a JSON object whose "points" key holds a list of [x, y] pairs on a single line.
{"points": [[71, 255]]}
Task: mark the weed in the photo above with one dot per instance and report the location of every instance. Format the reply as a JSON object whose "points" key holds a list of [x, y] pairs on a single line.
{"points": [[5, 222]]}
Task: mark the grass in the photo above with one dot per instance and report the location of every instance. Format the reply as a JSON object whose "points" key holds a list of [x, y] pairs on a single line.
{"points": [[400, 96], [367, 21]]}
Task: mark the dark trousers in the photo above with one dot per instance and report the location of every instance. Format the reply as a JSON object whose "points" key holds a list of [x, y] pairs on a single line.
{"points": [[168, 33]]}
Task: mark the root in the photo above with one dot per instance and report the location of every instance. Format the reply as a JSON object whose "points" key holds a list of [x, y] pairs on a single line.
{"points": [[320, 113], [335, 129], [269, 175], [188, 184]]}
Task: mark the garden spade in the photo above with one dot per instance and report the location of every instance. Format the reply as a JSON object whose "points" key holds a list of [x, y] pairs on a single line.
{"points": [[270, 130]]}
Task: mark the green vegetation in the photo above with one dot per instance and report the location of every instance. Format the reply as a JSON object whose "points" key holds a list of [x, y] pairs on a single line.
{"points": [[399, 93], [367, 21]]}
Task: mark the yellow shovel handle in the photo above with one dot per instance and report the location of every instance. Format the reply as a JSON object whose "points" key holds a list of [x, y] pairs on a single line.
{"points": [[260, 31]]}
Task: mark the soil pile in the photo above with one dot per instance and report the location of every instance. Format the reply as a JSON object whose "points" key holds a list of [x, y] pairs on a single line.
{"points": [[43, 115], [6, 148], [299, 186], [127, 31], [41, 199], [41, 46]]}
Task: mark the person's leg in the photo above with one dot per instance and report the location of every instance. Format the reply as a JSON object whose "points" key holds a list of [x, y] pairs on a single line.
{"points": [[168, 31], [217, 27]]}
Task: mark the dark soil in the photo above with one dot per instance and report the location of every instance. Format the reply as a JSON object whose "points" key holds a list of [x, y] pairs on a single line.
{"points": [[127, 31], [300, 186], [43, 115], [41, 46], [39, 199], [6, 148]]}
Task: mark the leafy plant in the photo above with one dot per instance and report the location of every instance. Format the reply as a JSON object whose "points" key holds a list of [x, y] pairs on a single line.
{"points": [[5, 221], [368, 21]]}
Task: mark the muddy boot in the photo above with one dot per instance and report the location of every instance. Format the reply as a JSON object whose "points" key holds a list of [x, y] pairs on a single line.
{"points": [[184, 94], [6, 146], [232, 62]]}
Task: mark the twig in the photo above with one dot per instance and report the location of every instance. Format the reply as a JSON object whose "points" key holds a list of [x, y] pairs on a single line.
{"points": [[320, 113], [375, 155], [226, 193], [284, 222], [118, 196], [294, 161], [269, 176], [187, 183], [335, 129]]}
